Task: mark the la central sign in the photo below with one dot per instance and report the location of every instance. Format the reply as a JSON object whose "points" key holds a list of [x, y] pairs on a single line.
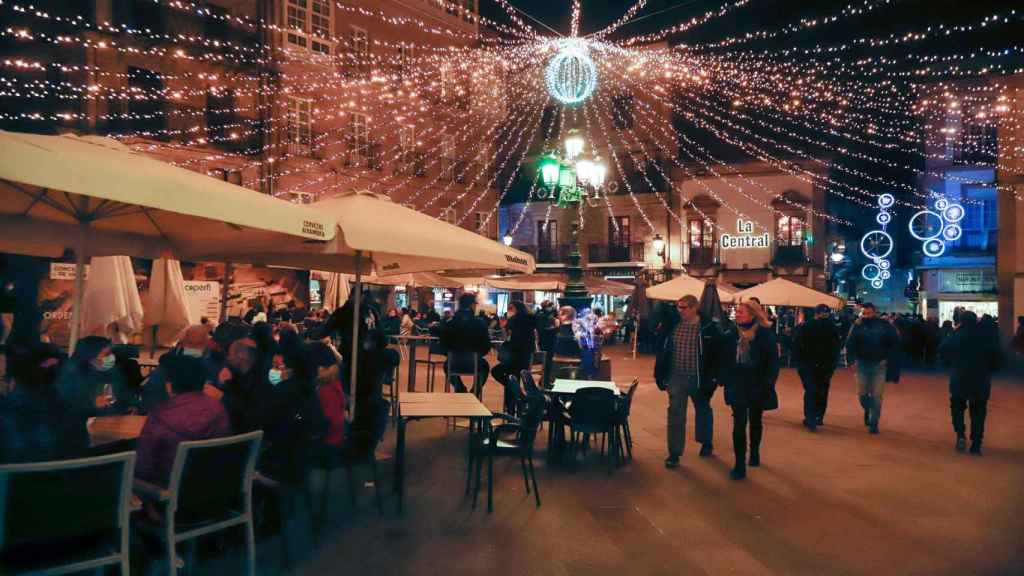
{"points": [[744, 237]]}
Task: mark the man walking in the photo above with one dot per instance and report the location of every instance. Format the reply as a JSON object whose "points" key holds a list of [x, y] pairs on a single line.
{"points": [[816, 347], [685, 366], [973, 356], [872, 346]]}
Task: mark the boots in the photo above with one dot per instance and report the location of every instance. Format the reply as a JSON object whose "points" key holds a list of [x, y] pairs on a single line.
{"points": [[755, 458], [865, 403], [976, 447], [739, 470]]}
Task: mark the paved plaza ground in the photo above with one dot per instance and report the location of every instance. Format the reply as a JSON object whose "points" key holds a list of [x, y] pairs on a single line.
{"points": [[838, 501]]}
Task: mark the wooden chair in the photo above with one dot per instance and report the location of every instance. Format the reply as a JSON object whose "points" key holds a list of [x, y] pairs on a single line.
{"points": [[210, 490], [66, 516]]}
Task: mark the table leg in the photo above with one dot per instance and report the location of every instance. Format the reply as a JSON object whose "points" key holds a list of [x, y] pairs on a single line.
{"points": [[412, 366], [400, 463], [469, 456]]}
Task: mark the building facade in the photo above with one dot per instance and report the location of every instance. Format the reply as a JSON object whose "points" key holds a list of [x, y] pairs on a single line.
{"points": [[1011, 214]]}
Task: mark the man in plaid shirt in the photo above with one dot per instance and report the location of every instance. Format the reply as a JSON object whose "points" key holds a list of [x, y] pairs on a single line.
{"points": [[685, 369]]}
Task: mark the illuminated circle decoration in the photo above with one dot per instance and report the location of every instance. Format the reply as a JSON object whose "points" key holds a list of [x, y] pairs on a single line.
{"points": [[883, 218], [954, 213], [876, 244], [933, 248], [885, 275], [952, 232], [941, 204], [871, 271], [571, 76], [922, 224], [886, 201], [884, 265], [877, 283]]}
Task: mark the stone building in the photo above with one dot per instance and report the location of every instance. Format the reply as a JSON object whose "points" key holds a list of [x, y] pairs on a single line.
{"points": [[1011, 212]]}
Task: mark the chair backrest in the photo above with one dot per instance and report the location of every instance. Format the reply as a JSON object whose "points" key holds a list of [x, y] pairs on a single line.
{"points": [[627, 404], [464, 363], [435, 347], [526, 379], [211, 478], [49, 505], [592, 408], [535, 406], [539, 358]]}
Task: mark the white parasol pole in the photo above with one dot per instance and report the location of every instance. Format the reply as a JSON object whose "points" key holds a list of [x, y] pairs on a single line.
{"points": [[76, 306], [356, 311]]}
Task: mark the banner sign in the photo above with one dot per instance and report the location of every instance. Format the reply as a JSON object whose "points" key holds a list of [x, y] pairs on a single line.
{"points": [[203, 299], [744, 237]]}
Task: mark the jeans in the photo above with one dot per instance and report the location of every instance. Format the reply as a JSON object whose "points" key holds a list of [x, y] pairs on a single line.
{"points": [[741, 417], [681, 387], [870, 387], [978, 406], [816, 384]]}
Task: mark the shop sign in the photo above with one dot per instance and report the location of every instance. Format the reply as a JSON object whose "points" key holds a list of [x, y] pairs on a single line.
{"points": [[969, 280], [64, 271], [202, 298], [744, 237]]}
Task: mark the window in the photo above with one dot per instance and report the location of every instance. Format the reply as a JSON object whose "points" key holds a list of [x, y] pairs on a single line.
{"points": [[977, 145], [618, 230], [406, 54], [789, 231], [221, 125], [481, 225], [469, 8], [300, 125], [448, 159], [547, 233], [449, 215], [359, 48], [445, 80], [359, 134], [980, 224], [146, 106], [406, 149], [622, 107], [309, 24], [215, 25], [140, 15], [701, 236]]}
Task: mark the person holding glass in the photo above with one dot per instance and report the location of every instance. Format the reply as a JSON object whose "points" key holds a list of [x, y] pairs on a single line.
{"points": [[90, 385]]}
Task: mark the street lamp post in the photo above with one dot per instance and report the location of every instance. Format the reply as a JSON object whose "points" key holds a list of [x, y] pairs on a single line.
{"points": [[570, 180]]}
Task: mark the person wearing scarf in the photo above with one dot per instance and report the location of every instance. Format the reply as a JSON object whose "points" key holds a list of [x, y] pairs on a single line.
{"points": [[748, 370]]}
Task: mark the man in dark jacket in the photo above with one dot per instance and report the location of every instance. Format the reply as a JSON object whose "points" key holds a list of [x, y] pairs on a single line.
{"points": [[973, 355], [187, 415], [463, 336], [686, 367], [816, 348], [873, 346]]}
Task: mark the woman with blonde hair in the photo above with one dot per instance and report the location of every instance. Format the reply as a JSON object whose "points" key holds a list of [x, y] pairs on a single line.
{"points": [[748, 369]]}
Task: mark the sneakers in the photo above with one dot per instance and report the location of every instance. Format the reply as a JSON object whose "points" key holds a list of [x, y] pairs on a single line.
{"points": [[819, 421], [961, 444], [755, 459], [672, 462], [811, 425], [706, 450], [739, 472]]}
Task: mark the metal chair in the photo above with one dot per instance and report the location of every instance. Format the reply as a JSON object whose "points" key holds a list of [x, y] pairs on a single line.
{"points": [[623, 436], [520, 445], [593, 411], [436, 356], [66, 516], [540, 367], [210, 490]]}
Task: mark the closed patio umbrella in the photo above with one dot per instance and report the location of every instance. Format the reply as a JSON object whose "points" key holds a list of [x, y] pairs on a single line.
{"points": [[99, 198], [782, 292], [680, 286], [710, 304], [166, 306], [337, 290], [111, 297]]}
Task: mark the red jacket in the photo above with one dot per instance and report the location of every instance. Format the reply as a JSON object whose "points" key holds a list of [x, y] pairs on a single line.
{"points": [[185, 417], [332, 403]]}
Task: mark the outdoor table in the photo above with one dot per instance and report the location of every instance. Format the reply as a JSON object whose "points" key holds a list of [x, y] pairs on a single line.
{"points": [[110, 429], [567, 387], [413, 342], [418, 406]]}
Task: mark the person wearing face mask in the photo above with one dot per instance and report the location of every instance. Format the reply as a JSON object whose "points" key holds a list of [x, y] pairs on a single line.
{"points": [[749, 366], [88, 386], [288, 411], [193, 343]]}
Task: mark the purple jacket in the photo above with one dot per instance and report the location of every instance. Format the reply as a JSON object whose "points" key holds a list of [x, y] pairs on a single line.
{"points": [[185, 417]]}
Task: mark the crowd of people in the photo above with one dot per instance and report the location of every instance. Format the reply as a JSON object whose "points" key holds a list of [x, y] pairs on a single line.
{"points": [[697, 354]]}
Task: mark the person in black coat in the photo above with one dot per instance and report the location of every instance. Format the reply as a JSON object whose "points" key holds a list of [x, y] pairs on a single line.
{"points": [[748, 368], [873, 345], [31, 415], [973, 354], [517, 351], [463, 336], [816, 349]]}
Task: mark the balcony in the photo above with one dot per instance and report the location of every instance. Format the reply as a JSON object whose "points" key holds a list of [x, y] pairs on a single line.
{"points": [[789, 256], [702, 256], [548, 254], [608, 253]]}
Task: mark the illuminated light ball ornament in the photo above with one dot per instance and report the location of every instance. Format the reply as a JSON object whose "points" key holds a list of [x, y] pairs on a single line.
{"points": [[936, 227], [876, 246], [571, 76]]}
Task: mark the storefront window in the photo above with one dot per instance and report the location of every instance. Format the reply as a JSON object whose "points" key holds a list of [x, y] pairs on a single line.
{"points": [[789, 231]]}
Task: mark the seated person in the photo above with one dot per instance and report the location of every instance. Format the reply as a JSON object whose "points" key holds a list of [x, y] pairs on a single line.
{"points": [[194, 343], [89, 385], [187, 415], [31, 428], [238, 382], [462, 336], [287, 409]]}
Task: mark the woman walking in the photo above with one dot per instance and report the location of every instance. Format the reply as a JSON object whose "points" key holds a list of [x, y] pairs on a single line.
{"points": [[748, 369]]}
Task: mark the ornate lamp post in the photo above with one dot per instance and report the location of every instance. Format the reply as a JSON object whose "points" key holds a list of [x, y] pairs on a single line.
{"points": [[570, 180]]}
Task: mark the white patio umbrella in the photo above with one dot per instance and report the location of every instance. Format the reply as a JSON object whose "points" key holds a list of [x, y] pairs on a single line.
{"points": [[782, 292], [337, 290], [96, 196], [166, 307], [414, 279], [682, 285], [111, 297], [376, 236]]}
